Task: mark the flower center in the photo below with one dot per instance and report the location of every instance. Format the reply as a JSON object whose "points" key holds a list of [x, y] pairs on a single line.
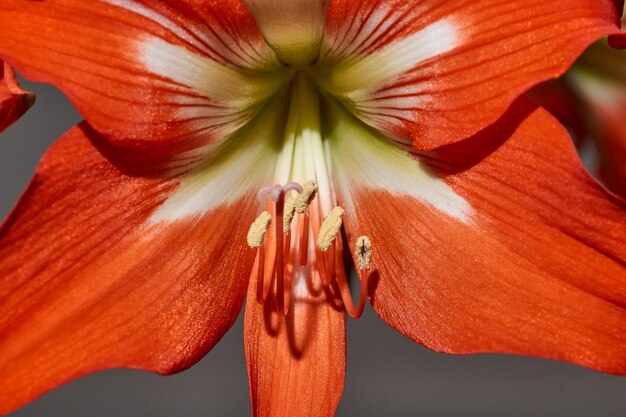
{"points": [[287, 264], [299, 255]]}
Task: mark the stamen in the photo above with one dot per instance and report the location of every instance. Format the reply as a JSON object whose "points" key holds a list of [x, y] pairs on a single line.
{"points": [[304, 241], [280, 256], [330, 229], [363, 258], [258, 229], [256, 234], [363, 253], [325, 261], [304, 199], [282, 228], [290, 212]]}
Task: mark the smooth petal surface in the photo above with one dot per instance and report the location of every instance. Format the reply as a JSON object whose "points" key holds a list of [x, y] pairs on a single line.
{"points": [[14, 101], [293, 28], [557, 97], [536, 264], [102, 270], [296, 364], [161, 79], [435, 72]]}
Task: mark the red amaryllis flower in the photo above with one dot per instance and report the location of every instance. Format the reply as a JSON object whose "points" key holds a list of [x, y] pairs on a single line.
{"points": [[591, 100], [14, 101], [472, 224]]}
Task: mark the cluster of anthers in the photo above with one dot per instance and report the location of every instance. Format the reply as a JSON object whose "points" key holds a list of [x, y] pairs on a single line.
{"points": [[286, 261]]}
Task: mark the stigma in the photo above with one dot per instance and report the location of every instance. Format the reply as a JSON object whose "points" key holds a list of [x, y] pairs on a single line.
{"points": [[294, 243]]}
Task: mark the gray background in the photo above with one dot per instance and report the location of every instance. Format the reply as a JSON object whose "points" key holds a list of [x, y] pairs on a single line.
{"points": [[388, 375]]}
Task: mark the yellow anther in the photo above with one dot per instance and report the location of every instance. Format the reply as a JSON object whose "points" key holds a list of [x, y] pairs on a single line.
{"points": [[289, 212], [363, 252], [304, 199], [330, 229], [257, 230]]}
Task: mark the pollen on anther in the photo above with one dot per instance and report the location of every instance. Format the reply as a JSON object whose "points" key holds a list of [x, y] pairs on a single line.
{"points": [[363, 252], [289, 213], [330, 228], [258, 229], [304, 199]]}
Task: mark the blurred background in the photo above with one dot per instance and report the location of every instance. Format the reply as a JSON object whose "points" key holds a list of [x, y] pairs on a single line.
{"points": [[387, 374]]}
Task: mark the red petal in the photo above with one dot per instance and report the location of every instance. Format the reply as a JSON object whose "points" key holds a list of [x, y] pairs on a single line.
{"points": [[87, 283], [618, 41], [157, 79], [557, 97], [537, 268], [469, 60], [296, 365], [14, 101]]}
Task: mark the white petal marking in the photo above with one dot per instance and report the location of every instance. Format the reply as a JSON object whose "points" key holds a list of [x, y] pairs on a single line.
{"points": [[224, 47], [221, 84], [363, 75], [245, 163], [144, 11], [363, 158]]}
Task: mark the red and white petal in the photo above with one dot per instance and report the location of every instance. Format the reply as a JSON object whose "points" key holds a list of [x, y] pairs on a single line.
{"points": [[14, 101], [435, 72], [557, 97], [536, 265], [164, 80], [296, 364], [293, 28], [101, 270]]}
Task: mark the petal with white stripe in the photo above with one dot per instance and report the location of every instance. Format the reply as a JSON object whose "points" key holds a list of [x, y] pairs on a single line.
{"points": [[539, 268], [156, 79], [435, 72], [364, 159]]}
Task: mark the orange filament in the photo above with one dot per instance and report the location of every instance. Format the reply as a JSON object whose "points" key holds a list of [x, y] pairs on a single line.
{"points": [[286, 254], [260, 296], [344, 289], [304, 240], [280, 265]]}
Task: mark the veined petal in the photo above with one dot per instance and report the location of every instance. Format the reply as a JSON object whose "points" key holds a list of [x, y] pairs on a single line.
{"points": [[537, 268], [366, 160], [98, 269], [296, 364], [435, 72], [293, 28], [162, 80], [14, 101], [557, 97]]}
